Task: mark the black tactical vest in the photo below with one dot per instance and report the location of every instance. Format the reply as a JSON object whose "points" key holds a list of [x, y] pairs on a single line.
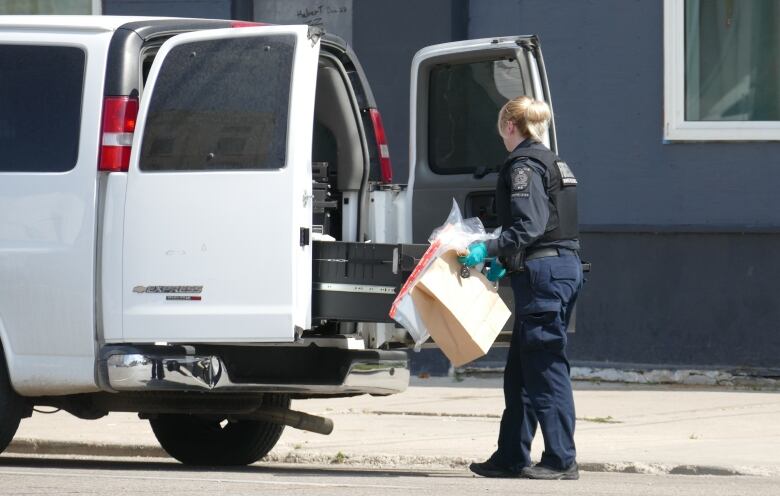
{"points": [[561, 186]]}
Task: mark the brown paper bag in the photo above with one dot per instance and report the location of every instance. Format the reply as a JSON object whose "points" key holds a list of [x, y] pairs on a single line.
{"points": [[463, 316]]}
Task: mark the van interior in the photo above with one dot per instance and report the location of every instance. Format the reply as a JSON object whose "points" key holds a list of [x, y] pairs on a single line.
{"points": [[337, 154]]}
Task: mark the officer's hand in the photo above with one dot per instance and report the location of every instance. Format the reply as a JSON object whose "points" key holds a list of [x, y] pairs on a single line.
{"points": [[476, 255], [496, 272]]}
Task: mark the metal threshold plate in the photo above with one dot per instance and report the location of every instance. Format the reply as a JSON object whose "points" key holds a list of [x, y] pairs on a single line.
{"points": [[353, 288]]}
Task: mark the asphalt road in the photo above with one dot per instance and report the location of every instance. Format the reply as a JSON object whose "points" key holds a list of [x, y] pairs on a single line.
{"points": [[61, 475]]}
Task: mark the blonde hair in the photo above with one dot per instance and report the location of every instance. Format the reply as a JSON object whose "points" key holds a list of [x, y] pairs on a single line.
{"points": [[530, 116]]}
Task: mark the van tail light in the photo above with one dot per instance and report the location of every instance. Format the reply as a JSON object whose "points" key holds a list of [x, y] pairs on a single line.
{"points": [[385, 166], [119, 115], [247, 24]]}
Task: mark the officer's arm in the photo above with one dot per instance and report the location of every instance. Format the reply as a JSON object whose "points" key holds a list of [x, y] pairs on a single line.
{"points": [[529, 209]]}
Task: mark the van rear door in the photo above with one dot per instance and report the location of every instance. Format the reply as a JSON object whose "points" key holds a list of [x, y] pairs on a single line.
{"points": [[456, 92], [218, 209]]}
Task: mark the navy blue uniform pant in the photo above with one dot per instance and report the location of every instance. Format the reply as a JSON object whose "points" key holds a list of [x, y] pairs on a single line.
{"points": [[537, 385]]}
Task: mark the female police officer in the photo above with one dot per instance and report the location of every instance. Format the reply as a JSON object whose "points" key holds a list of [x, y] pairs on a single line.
{"points": [[538, 245]]}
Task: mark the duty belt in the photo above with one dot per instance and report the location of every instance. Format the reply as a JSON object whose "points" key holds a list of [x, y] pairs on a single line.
{"points": [[549, 252], [516, 263]]}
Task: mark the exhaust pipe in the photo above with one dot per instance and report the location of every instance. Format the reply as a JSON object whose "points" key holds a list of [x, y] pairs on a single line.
{"points": [[294, 419]]}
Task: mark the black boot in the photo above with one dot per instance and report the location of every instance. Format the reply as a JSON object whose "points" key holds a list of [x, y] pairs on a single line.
{"points": [[490, 469], [542, 472]]}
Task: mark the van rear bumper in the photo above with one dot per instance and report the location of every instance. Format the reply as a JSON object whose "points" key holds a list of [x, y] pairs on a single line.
{"points": [[247, 369]]}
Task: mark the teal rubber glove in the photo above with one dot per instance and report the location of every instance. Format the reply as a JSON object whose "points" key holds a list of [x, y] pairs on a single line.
{"points": [[477, 254], [496, 271]]}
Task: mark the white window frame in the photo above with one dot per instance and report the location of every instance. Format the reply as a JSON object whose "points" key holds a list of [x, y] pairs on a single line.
{"points": [[676, 128], [96, 8]]}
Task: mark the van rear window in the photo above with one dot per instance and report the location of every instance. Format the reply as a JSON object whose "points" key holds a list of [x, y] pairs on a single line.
{"points": [[220, 105], [464, 100], [40, 107]]}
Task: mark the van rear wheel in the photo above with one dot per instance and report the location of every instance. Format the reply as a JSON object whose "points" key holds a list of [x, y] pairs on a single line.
{"points": [[211, 440], [12, 407]]}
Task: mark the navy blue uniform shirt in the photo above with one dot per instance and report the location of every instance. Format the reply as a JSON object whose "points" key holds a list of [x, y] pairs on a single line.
{"points": [[523, 207]]}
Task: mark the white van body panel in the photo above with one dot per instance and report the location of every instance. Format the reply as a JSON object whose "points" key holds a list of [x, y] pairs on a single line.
{"points": [[53, 24], [111, 241], [47, 244], [389, 216], [236, 234]]}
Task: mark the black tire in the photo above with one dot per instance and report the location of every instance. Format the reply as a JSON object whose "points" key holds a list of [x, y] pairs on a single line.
{"points": [[12, 407], [204, 441]]}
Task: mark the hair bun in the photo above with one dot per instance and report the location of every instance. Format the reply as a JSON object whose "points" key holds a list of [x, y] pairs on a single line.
{"points": [[530, 116], [537, 112]]}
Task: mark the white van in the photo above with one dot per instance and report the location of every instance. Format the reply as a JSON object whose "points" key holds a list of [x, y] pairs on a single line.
{"points": [[198, 221]]}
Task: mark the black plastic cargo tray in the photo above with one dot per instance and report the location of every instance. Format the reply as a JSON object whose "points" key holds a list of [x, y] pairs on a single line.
{"points": [[357, 282]]}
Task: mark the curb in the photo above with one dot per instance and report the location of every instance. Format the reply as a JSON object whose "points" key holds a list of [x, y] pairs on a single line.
{"points": [[25, 446], [75, 448]]}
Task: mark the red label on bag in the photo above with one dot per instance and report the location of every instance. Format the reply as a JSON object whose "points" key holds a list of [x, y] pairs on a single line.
{"points": [[424, 262]]}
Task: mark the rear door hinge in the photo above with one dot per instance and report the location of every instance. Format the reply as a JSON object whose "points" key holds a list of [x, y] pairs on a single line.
{"points": [[315, 33]]}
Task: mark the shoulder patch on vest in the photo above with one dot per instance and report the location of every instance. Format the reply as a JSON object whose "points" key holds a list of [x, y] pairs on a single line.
{"points": [[521, 176], [567, 176]]}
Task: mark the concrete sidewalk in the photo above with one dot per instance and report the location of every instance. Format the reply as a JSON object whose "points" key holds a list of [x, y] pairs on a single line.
{"points": [[441, 423]]}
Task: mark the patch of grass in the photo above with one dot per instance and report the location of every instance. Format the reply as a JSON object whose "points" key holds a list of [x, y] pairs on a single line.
{"points": [[297, 446], [693, 436], [339, 458], [602, 420]]}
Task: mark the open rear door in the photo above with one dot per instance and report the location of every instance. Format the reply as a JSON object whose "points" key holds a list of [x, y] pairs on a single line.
{"points": [[218, 209], [457, 90], [455, 150]]}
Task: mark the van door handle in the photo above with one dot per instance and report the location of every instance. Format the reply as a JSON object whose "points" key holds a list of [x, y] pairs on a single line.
{"points": [[484, 170]]}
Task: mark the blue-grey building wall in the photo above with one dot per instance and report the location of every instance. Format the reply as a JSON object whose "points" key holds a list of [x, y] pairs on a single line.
{"points": [[209, 9]]}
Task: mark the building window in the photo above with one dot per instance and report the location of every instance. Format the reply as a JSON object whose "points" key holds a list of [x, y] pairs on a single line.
{"points": [[722, 75], [84, 7]]}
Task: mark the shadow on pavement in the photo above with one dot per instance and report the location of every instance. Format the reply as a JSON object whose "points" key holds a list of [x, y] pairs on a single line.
{"points": [[493, 381], [173, 466]]}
